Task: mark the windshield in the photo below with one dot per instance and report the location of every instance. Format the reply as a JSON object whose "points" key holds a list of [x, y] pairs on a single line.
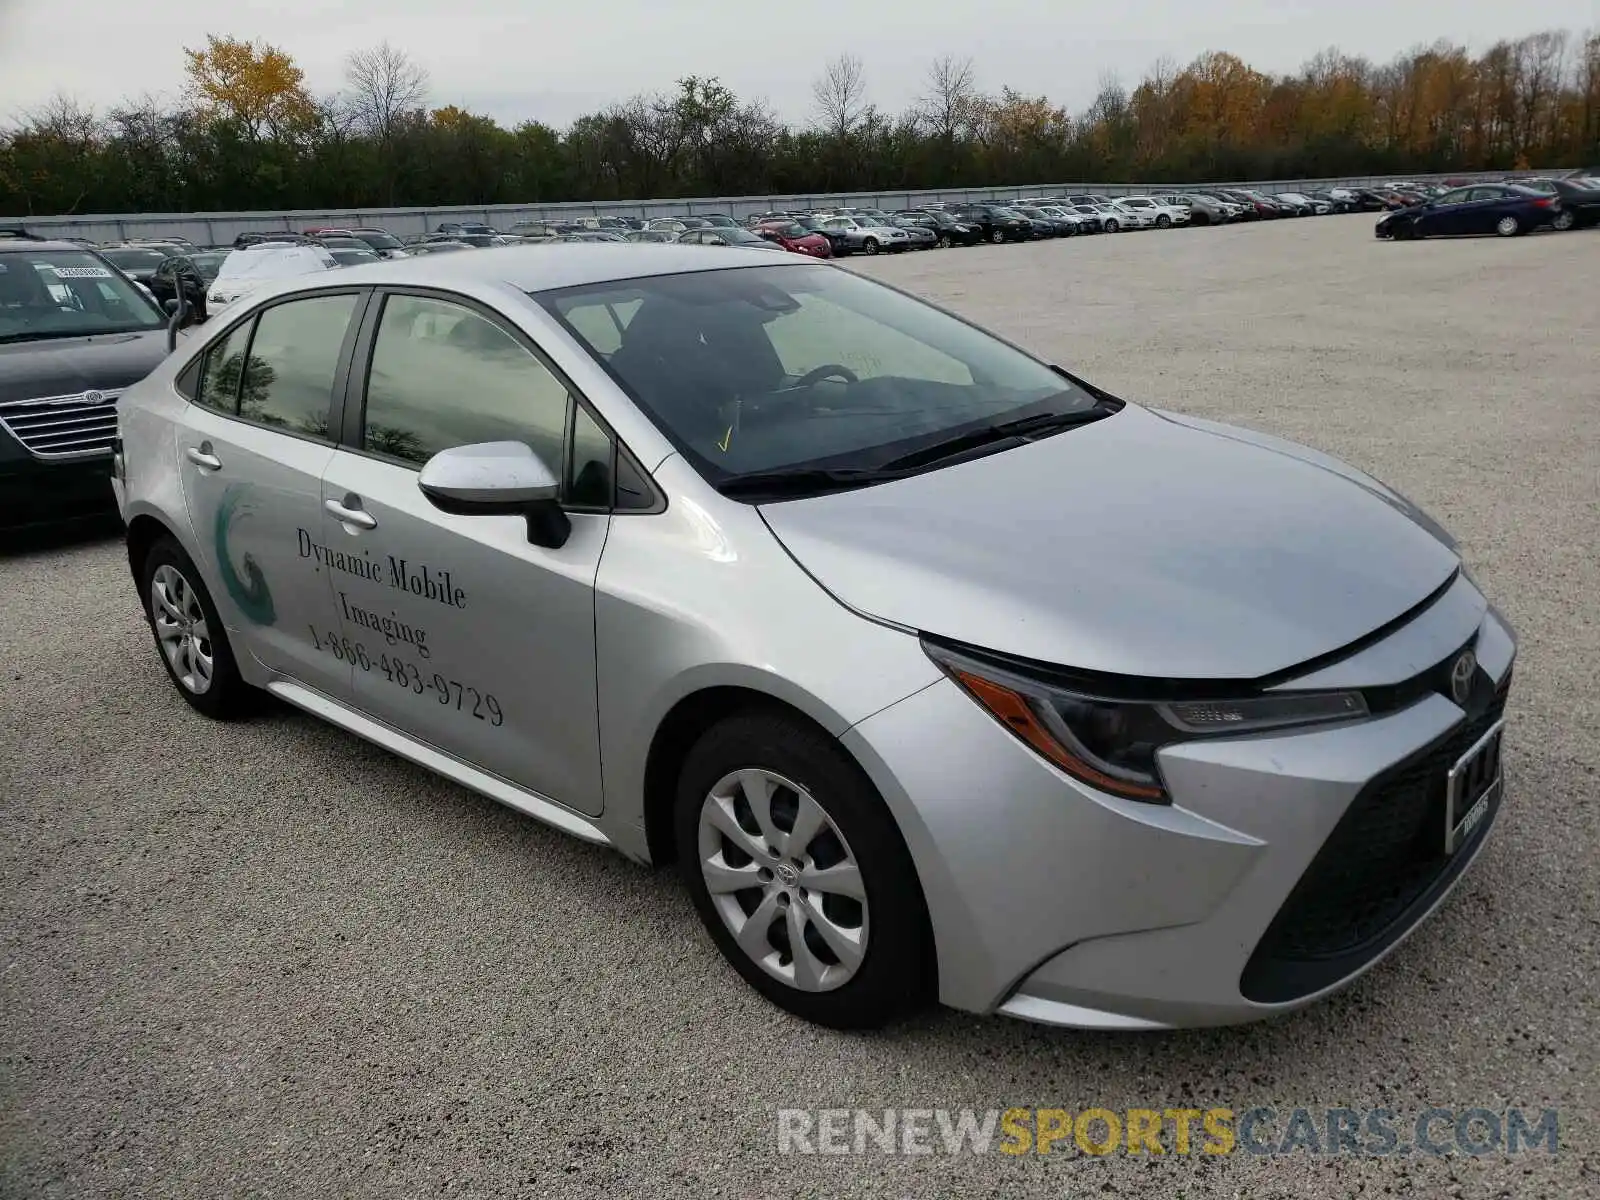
{"points": [[380, 241], [766, 368], [352, 258], [134, 260], [65, 293], [208, 263]]}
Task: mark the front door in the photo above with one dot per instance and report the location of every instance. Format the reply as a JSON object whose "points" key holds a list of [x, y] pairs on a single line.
{"points": [[465, 635], [252, 454]]}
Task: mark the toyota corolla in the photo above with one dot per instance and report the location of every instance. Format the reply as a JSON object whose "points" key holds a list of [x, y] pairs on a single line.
{"points": [[937, 670]]}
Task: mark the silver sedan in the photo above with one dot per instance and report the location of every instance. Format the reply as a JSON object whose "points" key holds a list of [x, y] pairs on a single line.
{"points": [[937, 670]]}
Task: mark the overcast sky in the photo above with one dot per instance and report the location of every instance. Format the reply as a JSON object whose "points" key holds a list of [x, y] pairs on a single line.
{"points": [[514, 59]]}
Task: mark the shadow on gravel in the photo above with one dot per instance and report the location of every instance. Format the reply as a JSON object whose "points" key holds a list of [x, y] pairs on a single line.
{"points": [[50, 539]]}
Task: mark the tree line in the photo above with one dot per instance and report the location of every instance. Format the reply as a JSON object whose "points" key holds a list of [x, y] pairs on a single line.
{"points": [[249, 134]]}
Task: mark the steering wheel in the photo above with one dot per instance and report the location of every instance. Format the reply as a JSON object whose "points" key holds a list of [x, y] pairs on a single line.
{"points": [[826, 371]]}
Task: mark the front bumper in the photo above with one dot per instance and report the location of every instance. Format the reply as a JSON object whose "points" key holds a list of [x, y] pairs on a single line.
{"points": [[1056, 903], [40, 493]]}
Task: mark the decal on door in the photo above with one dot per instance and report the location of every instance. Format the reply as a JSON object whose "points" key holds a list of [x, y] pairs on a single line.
{"points": [[251, 593]]}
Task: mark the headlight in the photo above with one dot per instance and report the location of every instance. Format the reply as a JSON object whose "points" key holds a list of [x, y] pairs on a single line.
{"points": [[1111, 743]]}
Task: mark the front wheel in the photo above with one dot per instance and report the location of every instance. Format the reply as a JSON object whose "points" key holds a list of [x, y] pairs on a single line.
{"points": [[1508, 226], [996, 236], [944, 241], [1163, 221], [870, 245], [1112, 226], [800, 874], [189, 635]]}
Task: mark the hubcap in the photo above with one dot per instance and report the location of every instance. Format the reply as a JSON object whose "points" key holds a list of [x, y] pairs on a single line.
{"points": [[784, 880], [181, 628], [1508, 225]]}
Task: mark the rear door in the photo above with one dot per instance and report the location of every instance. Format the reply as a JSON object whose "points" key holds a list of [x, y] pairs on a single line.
{"points": [[252, 451]]}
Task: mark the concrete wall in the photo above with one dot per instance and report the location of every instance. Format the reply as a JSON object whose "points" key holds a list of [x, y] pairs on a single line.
{"points": [[215, 229]]}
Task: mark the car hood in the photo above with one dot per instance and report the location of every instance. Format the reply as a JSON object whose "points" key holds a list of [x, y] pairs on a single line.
{"points": [[67, 366], [1145, 544]]}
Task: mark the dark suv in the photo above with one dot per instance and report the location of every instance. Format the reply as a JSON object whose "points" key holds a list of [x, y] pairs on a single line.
{"points": [[74, 332], [998, 224]]}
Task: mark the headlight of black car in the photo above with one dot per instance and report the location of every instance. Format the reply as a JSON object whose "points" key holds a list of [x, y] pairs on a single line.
{"points": [[1111, 744]]}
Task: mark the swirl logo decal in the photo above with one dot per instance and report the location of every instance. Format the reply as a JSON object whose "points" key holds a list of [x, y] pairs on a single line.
{"points": [[250, 593]]}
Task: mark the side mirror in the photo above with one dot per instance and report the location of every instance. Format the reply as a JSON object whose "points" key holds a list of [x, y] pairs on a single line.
{"points": [[498, 479], [170, 307]]}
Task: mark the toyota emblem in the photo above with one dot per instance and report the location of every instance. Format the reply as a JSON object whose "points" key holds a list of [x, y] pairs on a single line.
{"points": [[1461, 676]]}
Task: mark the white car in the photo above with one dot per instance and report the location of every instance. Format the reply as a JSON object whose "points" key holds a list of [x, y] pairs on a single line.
{"points": [[243, 271], [1152, 213]]}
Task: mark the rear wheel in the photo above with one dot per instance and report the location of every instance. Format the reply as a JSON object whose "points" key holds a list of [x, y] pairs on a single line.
{"points": [[1508, 226], [1564, 220], [189, 635], [1112, 226], [800, 874]]}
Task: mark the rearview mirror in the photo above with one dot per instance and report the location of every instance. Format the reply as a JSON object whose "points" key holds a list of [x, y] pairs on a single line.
{"points": [[498, 479]]}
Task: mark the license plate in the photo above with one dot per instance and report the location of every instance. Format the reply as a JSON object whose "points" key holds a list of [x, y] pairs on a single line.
{"points": [[1473, 784]]}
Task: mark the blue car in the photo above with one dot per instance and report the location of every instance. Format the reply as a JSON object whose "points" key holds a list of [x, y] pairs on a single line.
{"points": [[1506, 209]]}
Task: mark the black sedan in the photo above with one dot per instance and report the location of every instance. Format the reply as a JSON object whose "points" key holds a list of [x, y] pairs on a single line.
{"points": [[193, 272], [1506, 209], [948, 230], [998, 224], [1580, 202]]}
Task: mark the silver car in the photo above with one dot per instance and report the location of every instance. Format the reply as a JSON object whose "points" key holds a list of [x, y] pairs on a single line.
{"points": [[937, 671], [860, 235]]}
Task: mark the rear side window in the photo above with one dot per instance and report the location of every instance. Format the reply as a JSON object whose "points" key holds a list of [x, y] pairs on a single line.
{"points": [[219, 377]]}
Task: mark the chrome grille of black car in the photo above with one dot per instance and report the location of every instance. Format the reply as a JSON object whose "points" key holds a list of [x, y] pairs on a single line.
{"points": [[53, 427]]}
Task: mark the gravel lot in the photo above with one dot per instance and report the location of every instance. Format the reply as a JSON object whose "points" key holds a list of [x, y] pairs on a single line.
{"points": [[270, 959]]}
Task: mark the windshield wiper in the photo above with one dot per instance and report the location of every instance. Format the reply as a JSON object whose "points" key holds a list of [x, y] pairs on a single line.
{"points": [[803, 481], [1022, 429]]}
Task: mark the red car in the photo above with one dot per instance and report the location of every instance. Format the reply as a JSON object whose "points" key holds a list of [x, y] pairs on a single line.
{"points": [[793, 236]]}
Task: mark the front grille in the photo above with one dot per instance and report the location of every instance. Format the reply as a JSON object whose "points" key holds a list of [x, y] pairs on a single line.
{"points": [[1381, 863], [55, 427]]}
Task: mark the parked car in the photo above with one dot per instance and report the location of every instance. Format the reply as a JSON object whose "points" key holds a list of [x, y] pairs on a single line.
{"points": [[921, 237], [454, 228], [180, 272], [946, 229], [806, 624], [1580, 202], [535, 229], [440, 246], [839, 240], [859, 237], [138, 263], [349, 257], [1204, 209], [1063, 212], [1059, 226], [722, 235], [243, 271], [719, 220], [1499, 208], [647, 235], [591, 235], [1094, 217], [281, 236], [74, 333], [383, 243], [795, 238], [997, 224], [678, 224], [1155, 214]]}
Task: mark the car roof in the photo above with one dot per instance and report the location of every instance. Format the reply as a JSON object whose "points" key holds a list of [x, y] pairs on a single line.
{"points": [[559, 265], [46, 244]]}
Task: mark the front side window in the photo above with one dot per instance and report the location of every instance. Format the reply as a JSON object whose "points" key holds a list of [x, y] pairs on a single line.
{"points": [[67, 293], [292, 364], [765, 368], [442, 375]]}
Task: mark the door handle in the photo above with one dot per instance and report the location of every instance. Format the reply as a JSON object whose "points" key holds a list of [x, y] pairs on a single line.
{"points": [[202, 457], [358, 517]]}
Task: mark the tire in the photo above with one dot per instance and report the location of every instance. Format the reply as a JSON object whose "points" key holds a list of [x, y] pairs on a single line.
{"points": [[793, 764], [1564, 220], [1113, 227], [870, 246], [1163, 221], [225, 695], [944, 242], [1508, 226], [997, 236]]}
